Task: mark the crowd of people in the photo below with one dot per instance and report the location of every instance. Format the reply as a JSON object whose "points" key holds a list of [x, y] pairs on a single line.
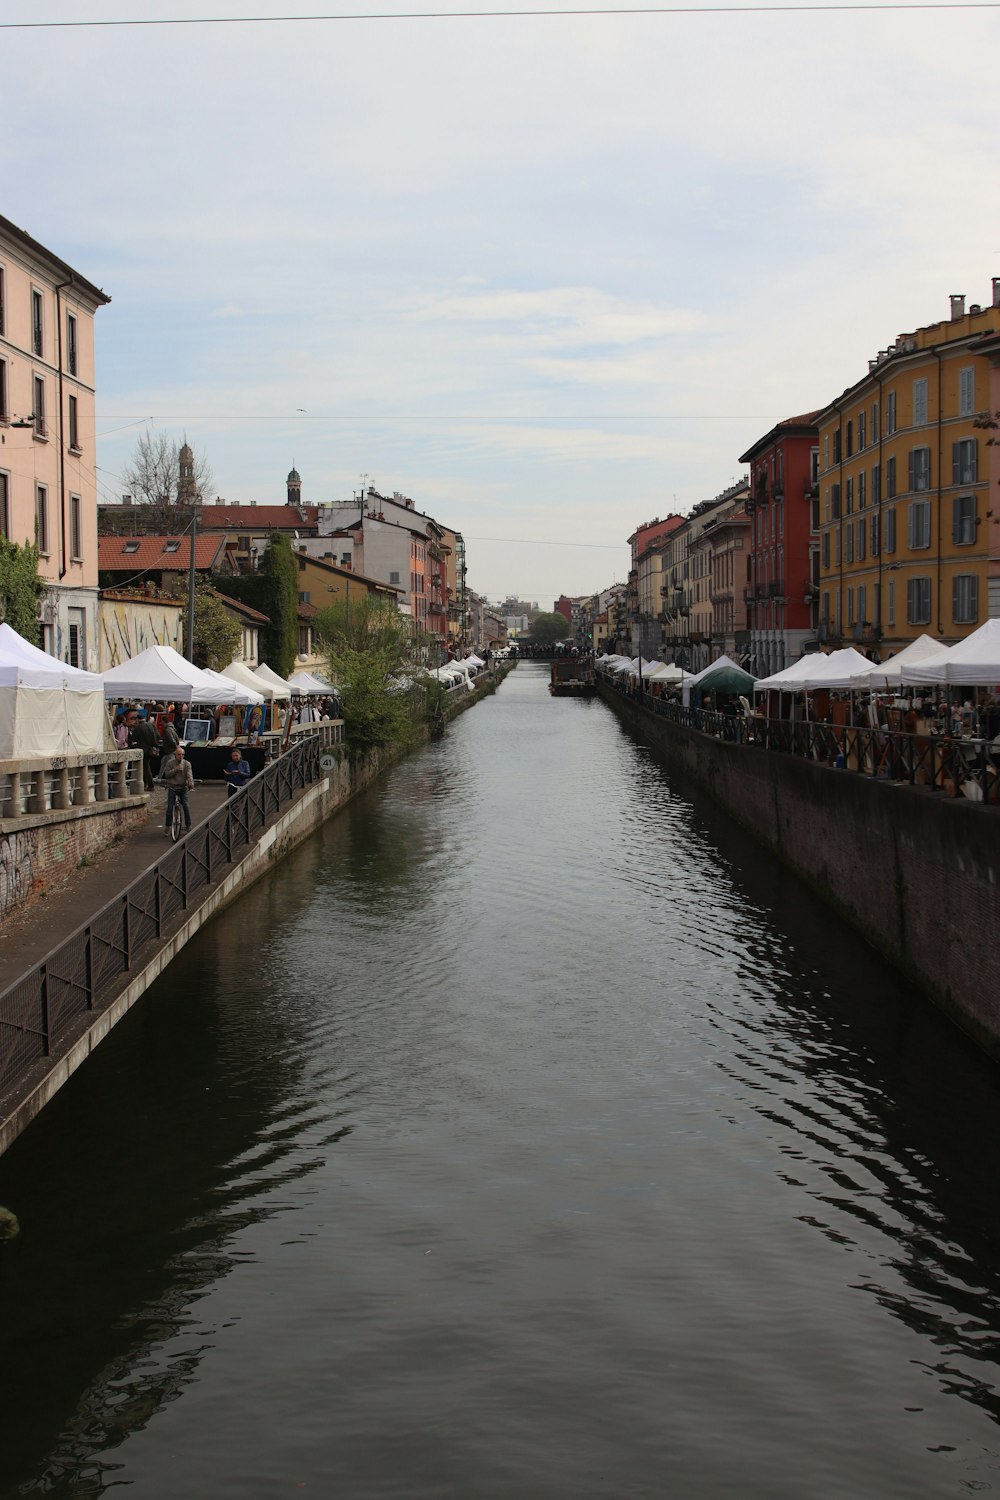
{"points": [[158, 730]]}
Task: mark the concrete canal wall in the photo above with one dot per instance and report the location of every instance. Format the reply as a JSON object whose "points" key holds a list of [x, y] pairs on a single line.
{"points": [[918, 873]]}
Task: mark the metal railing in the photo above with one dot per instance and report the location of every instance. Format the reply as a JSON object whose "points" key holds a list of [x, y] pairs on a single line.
{"points": [[83, 973], [953, 764]]}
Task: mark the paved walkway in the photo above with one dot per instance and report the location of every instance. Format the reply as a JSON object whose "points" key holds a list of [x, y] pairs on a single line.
{"points": [[27, 936]]}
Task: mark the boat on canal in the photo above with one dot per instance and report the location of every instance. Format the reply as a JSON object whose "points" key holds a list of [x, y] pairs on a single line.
{"points": [[572, 677]]}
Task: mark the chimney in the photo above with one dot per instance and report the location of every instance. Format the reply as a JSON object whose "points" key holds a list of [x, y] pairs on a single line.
{"points": [[996, 291], [957, 300]]}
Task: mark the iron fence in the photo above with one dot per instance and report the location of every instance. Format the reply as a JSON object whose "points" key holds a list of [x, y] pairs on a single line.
{"points": [[952, 764], [81, 974]]}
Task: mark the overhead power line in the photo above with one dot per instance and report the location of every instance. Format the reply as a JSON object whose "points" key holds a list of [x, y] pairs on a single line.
{"points": [[475, 15]]}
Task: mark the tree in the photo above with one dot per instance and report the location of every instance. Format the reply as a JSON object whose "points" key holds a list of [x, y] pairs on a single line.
{"points": [[153, 478], [21, 589], [217, 631], [547, 629], [274, 591], [372, 652]]}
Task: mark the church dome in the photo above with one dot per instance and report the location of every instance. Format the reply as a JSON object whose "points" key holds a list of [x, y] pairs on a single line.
{"points": [[294, 477]]}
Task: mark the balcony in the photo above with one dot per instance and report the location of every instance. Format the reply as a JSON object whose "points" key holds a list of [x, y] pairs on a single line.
{"points": [[778, 489], [776, 589], [810, 490], [865, 632]]}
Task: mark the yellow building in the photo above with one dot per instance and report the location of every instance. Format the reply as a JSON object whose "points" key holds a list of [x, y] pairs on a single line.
{"points": [[908, 538]]}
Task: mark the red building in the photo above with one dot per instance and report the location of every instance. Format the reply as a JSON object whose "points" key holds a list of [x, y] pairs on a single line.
{"points": [[782, 585]]}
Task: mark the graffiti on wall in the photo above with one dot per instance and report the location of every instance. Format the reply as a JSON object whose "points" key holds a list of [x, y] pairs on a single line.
{"points": [[131, 626], [18, 852]]}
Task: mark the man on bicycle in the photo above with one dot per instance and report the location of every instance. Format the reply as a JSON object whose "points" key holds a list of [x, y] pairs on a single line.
{"points": [[178, 778]]}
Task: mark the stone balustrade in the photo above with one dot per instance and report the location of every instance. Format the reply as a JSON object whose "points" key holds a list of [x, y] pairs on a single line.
{"points": [[62, 785]]}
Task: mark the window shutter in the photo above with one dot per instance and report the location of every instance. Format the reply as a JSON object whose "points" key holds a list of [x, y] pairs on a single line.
{"points": [[911, 469], [974, 597], [911, 599], [956, 463], [956, 519], [911, 527]]}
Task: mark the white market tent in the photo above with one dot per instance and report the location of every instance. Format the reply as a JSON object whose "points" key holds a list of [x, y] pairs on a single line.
{"points": [[161, 672], [667, 671], [310, 684], [46, 707], [974, 662], [238, 671], [218, 682], [264, 672], [789, 679], [889, 674], [837, 670]]}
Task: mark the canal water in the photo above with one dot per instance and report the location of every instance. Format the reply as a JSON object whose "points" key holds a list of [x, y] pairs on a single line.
{"points": [[527, 1133]]}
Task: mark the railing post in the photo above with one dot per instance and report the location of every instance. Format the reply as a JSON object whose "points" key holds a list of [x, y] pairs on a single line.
{"points": [[184, 875], [44, 1000], [156, 902], [88, 967], [208, 854], [127, 932]]}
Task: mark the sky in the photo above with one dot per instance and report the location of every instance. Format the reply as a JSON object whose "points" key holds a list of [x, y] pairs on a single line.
{"points": [[547, 275]]}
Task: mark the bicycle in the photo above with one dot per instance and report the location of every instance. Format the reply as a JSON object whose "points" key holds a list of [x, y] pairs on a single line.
{"points": [[176, 821]]}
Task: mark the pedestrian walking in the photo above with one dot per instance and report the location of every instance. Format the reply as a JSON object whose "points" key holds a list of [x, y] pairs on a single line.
{"points": [[237, 772]]}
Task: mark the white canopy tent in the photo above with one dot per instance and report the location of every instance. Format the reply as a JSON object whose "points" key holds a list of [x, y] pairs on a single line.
{"points": [[667, 671], [238, 671], [974, 662], [236, 692], [789, 679], [889, 674], [264, 672], [836, 671], [161, 672], [46, 707], [309, 684]]}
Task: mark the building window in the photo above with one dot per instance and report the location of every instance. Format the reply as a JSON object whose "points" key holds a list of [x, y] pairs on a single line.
{"points": [[826, 451], [874, 536], [5, 506], [862, 484], [42, 518], [861, 540], [967, 391], [836, 446], [874, 421], [393, 577], [835, 501], [890, 603], [826, 550], [920, 403], [4, 413], [74, 425], [304, 597], [850, 606], [890, 478], [849, 498], [963, 520], [861, 430], [303, 640], [876, 485], [963, 461], [3, 301], [918, 524], [965, 599], [71, 345], [37, 344], [39, 411], [849, 543], [825, 609], [918, 601], [862, 604], [920, 469], [75, 528], [890, 413], [850, 438], [889, 530], [814, 516]]}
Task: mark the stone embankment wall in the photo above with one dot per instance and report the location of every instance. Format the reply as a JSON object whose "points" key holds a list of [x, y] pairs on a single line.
{"points": [[915, 871], [37, 859]]}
